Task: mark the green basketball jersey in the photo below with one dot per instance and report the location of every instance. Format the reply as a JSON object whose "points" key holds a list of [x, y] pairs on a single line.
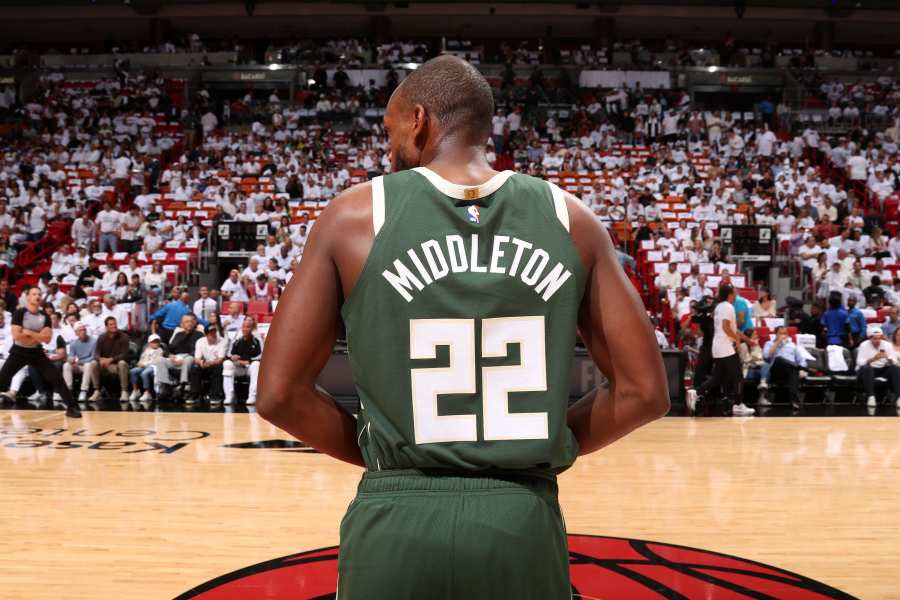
{"points": [[461, 326]]}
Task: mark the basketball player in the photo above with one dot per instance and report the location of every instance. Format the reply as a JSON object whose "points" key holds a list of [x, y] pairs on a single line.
{"points": [[460, 289], [30, 329]]}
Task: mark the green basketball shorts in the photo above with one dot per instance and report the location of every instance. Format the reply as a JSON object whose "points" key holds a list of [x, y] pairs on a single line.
{"points": [[409, 534]]}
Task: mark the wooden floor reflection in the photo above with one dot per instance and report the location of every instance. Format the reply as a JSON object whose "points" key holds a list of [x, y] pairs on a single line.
{"points": [[147, 505]]}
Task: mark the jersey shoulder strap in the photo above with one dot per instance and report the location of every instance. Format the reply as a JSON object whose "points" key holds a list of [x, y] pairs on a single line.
{"points": [[377, 203], [559, 204]]}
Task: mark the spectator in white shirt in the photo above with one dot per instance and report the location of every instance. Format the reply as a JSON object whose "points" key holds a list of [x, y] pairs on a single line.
{"points": [[858, 167], [209, 354], [253, 269], [669, 280], [232, 288], [152, 241], [205, 305], [876, 358], [110, 221]]}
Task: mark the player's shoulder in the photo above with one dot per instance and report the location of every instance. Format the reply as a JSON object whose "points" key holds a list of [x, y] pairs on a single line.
{"points": [[347, 213]]}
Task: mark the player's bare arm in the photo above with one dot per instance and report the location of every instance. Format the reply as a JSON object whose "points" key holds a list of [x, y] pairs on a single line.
{"points": [[306, 325], [24, 336], [619, 337]]}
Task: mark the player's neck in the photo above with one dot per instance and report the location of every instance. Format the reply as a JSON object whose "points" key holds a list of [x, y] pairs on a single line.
{"points": [[464, 165]]}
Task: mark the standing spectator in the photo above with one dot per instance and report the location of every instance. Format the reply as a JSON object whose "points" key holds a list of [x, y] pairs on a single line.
{"points": [[37, 222], [171, 315], [209, 121], [84, 232], [121, 177], [209, 354], [726, 370], [498, 132], [856, 322], [743, 313], [835, 321], [243, 359], [131, 222], [858, 170], [82, 360], [110, 221], [112, 355], [142, 374], [876, 358]]}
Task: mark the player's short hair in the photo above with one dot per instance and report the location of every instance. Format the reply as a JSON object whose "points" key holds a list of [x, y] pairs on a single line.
{"points": [[30, 287], [108, 319], [455, 93]]}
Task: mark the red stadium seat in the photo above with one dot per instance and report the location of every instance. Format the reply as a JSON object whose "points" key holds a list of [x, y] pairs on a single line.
{"points": [[258, 307]]}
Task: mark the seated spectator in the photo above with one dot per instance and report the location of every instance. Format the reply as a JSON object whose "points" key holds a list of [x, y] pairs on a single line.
{"points": [[82, 360], [156, 279], [94, 318], [233, 288], [874, 293], [784, 361], [204, 305], [135, 292], [182, 346], [751, 356], [209, 354], [142, 373], [112, 355], [764, 306], [243, 359], [234, 319], [892, 323], [91, 276], [152, 241], [876, 358]]}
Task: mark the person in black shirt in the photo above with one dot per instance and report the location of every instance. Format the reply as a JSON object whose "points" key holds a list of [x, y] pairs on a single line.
{"points": [[243, 359], [874, 293], [180, 354], [7, 296], [56, 353], [89, 275], [30, 329], [703, 318]]}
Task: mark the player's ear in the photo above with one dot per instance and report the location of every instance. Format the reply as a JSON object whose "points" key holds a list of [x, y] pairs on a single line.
{"points": [[420, 125]]}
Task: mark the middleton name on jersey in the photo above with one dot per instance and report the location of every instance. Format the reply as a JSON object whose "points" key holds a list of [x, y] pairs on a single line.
{"points": [[509, 256]]}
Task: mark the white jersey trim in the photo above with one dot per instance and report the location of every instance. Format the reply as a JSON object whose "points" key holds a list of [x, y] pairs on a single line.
{"points": [[377, 203], [559, 204], [465, 192]]}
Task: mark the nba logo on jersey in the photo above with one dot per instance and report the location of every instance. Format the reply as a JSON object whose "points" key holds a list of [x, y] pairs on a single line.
{"points": [[474, 214]]}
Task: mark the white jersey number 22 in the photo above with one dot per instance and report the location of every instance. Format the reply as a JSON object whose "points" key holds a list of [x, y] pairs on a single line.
{"points": [[530, 375]]}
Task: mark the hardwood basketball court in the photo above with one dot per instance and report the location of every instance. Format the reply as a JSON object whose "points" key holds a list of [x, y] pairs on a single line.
{"points": [[125, 505]]}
